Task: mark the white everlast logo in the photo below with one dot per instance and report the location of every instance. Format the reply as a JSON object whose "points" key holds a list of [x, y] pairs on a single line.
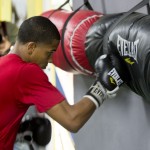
{"points": [[96, 91], [113, 73], [127, 48]]}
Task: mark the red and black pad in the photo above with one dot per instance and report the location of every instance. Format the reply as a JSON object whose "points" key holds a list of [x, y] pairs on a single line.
{"points": [[70, 55]]}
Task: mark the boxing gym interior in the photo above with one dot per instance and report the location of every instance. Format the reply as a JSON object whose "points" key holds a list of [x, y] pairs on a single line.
{"points": [[122, 122]]}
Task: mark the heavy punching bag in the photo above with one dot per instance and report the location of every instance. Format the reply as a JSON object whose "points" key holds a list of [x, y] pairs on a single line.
{"points": [[73, 27]]}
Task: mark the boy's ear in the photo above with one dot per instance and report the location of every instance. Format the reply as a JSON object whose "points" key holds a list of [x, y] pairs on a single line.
{"points": [[31, 47]]}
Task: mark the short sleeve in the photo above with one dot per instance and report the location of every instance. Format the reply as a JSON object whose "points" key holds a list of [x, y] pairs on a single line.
{"points": [[34, 88]]}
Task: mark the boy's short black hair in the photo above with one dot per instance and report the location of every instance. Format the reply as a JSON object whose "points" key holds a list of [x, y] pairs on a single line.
{"points": [[38, 29]]}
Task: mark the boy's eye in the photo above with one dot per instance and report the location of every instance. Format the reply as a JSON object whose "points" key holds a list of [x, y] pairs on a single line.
{"points": [[50, 53]]}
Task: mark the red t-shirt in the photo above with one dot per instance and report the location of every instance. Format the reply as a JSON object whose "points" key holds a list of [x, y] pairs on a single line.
{"points": [[21, 85]]}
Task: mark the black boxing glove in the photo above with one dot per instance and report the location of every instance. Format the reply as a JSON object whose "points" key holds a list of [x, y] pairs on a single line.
{"points": [[110, 72], [41, 129]]}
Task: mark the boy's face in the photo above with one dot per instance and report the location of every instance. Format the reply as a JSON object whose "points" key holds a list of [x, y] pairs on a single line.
{"points": [[42, 53]]}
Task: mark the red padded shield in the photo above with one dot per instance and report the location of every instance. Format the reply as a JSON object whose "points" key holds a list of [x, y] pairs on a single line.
{"points": [[73, 57]]}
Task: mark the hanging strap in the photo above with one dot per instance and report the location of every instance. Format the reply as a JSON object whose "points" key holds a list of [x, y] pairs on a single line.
{"points": [[148, 8], [138, 6], [60, 7], [88, 5], [65, 3]]}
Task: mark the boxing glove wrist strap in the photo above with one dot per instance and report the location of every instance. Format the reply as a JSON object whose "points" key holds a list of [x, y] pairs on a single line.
{"points": [[97, 94], [93, 100]]}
